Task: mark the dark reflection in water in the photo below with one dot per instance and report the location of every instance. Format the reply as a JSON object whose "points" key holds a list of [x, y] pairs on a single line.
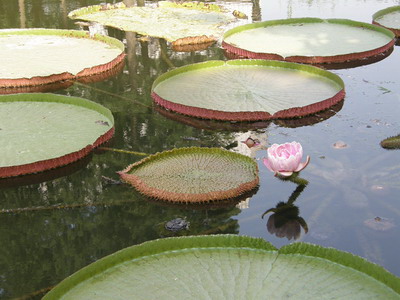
{"points": [[335, 66], [46, 175], [244, 126], [285, 220], [53, 226]]}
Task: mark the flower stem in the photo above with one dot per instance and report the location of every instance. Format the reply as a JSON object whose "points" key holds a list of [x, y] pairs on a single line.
{"points": [[123, 151]]}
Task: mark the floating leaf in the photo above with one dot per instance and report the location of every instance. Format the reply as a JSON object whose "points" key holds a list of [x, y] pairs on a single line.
{"points": [[170, 20], [247, 90], [389, 18], [44, 56], [308, 40], [44, 131], [228, 267], [193, 175], [391, 142]]}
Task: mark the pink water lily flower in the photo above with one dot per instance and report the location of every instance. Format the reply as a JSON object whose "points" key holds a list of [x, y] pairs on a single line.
{"points": [[285, 159]]}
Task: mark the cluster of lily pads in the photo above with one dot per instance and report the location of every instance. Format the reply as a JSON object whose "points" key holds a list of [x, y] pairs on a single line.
{"points": [[264, 84]]}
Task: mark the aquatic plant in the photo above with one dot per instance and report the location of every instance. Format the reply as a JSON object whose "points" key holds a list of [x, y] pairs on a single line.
{"points": [[228, 267], [169, 20], [48, 131], [37, 57], [247, 90], [388, 18], [193, 175], [285, 159], [299, 40], [391, 142]]}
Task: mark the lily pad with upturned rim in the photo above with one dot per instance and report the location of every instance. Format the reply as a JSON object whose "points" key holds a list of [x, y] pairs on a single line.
{"points": [[39, 132], [228, 267], [388, 18], [193, 175], [247, 90], [308, 40], [169, 20], [45, 56]]}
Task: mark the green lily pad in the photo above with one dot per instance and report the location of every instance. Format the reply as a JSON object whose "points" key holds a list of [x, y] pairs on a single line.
{"points": [[169, 20], [193, 175], [247, 90], [388, 18], [44, 56], [45, 131], [308, 40], [228, 267], [392, 142]]}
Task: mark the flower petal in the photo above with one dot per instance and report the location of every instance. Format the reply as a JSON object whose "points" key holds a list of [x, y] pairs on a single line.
{"points": [[303, 165], [284, 174], [267, 163]]}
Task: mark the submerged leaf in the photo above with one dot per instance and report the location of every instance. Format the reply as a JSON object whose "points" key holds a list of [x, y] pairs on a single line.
{"points": [[193, 175], [228, 267]]}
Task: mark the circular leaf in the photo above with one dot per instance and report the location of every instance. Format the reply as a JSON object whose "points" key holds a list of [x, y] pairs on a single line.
{"points": [[193, 175], [228, 267], [169, 20], [308, 40], [44, 131], [43, 56], [389, 18], [247, 90]]}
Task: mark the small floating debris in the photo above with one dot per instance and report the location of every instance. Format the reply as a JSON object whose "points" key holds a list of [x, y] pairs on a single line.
{"points": [[379, 224], [340, 145]]}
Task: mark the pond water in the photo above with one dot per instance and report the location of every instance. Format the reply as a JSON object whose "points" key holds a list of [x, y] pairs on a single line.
{"points": [[59, 222]]}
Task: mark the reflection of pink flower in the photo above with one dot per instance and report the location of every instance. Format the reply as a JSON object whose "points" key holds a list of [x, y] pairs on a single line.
{"points": [[285, 159]]}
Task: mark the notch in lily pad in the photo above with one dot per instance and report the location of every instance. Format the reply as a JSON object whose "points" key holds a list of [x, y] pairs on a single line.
{"points": [[193, 175], [228, 267], [247, 90], [45, 131]]}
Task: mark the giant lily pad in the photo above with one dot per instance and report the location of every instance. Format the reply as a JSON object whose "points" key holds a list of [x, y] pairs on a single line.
{"points": [[44, 131], [247, 90], [228, 267], [389, 18], [43, 56], [193, 175], [308, 40], [169, 20]]}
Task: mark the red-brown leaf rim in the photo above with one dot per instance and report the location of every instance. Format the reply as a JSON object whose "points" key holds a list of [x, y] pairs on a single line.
{"points": [[87, 72], [383, 12], [308, 59], [219, 195], [48, 164], [205, 113]]}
